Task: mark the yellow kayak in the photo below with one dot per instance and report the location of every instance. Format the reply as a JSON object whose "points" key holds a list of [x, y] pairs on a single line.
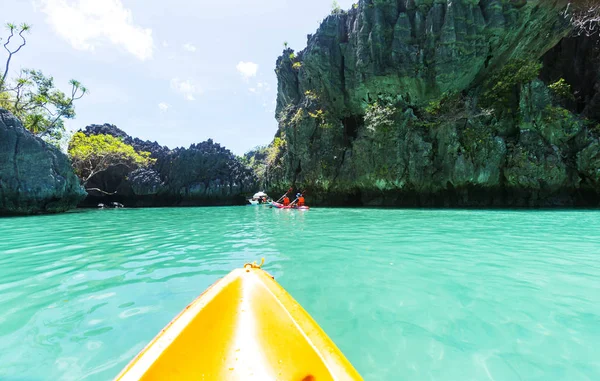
{"points": [[243, 327]]}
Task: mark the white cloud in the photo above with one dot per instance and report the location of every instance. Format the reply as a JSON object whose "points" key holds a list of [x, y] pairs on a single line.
{"points": [[163, 107], [86, 24], [165, 44], [187, 88], [247, 69], [189, 47], [252, 90]]}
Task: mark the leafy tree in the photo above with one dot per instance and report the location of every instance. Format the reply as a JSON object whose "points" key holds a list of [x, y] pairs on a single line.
{"points": [[94, 154], [256, 160], [32, 96]]}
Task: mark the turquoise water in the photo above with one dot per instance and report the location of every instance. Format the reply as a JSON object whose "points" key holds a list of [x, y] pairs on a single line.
{"points": [[406, 294]]}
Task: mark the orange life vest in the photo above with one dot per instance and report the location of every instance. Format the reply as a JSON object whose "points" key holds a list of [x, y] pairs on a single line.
{"points": [[286, 201], [300, 201]]}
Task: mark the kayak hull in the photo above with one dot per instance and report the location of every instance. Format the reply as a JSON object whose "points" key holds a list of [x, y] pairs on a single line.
{"points": [[281, 206], [244, 327]]}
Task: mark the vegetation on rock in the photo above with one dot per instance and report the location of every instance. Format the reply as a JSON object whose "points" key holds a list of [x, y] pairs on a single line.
{"points": [[503, 86], [440, 103], [94, 154]]}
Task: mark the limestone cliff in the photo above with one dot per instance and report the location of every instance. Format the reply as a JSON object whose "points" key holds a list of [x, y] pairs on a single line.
{"points": [[35, 177], [439, 103], [203, 174]]}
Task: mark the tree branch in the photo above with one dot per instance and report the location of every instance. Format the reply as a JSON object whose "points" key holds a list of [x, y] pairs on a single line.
{"points": [[11, 53], [101, 191]]}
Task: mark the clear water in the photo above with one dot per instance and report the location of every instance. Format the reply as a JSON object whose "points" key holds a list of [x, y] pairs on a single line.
{"points": [[406, 294]]}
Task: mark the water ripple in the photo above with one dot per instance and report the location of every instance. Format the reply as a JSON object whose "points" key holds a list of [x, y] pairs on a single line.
{"points": [[406, 294]]}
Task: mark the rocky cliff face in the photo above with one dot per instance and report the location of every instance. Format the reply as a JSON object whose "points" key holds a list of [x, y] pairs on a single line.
{"points": [[35, 177], [440, 103], [203, 174]]}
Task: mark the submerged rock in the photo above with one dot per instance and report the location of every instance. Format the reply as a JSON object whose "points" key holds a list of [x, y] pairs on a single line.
{"points": [[35, 177], [203, 174]]}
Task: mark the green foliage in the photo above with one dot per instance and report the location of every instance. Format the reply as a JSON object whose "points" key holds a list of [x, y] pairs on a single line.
{"points": [[553, 114], [319, 115], [561, 89], [297, 118], [32, 97], [335, 8], [96, 153], [434, 107], [502, 84], [274, 151], [449, 102], [41, 107], [292, 56], [256, 160], [311, 95], [380, 117], [285, 44], [475, 138], [355, 6], [297, 65]]}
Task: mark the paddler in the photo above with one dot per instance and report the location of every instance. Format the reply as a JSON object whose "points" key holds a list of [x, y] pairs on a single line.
{"points": [[286, 200], [300, 199]]}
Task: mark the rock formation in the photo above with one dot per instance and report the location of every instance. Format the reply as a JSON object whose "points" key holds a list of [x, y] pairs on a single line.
{"points": [[203, 174], [35, 177], [440, 103]]}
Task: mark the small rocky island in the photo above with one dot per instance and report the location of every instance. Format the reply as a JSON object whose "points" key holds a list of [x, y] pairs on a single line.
{"points": [[203, 174]]}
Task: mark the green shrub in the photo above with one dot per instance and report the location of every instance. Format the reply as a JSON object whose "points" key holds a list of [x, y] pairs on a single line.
{"points": [[274, 151], [297, 65], [310, 95], [561, 89], [297, 118], [335, 8], [503, 83]]}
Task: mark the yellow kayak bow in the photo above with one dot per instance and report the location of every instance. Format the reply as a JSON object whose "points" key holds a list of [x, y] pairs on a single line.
{"points": [[243, 327]]}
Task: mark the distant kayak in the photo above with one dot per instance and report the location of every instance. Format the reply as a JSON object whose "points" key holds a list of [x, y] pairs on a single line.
{"points": [[281, 206], [243, 327]]}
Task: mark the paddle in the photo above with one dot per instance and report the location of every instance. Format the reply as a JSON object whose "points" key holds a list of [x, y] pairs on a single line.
{"points": [[285, 194]]}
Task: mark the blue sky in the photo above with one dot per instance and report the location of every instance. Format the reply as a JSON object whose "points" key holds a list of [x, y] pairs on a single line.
{"points": [[178, 71]]}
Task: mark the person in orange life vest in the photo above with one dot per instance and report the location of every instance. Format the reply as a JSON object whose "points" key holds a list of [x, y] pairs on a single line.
{"points": [[286, 201], [300, 199]]}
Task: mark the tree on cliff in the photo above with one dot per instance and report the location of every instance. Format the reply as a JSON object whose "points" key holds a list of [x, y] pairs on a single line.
{"points": [[94, 154], [32, 96]]}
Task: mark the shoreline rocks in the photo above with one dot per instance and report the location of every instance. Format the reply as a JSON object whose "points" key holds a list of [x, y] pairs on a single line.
{"points": [[35, 177]]}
